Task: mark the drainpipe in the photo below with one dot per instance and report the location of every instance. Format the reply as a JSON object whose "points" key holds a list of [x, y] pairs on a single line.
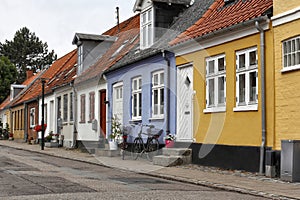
{"points": [[74, 138], [167, 114], [263, 97]]}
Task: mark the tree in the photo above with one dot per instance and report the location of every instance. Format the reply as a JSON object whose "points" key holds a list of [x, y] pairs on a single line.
{"points": [[8, 74], [26, 50]]}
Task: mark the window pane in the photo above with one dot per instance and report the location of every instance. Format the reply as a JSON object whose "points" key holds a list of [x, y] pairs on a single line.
{"points": [[285, 61], [252, 58], [135, 85], [144, 18], [221, 64], [242, 89], [150, 15], [121, 92], [242, 61], [288, 46], [289, 60], [140, 104], [155, 101], [144, 36], [252, 83], [161, 101], [298, 44], [149, 34], [293, 45], [161, 78], [285, 48], [221, 90], [135, 105], [211, 92], [211, 67], [155, 80], [293, 59], [140, 84], [298, 58], [65, 114]]}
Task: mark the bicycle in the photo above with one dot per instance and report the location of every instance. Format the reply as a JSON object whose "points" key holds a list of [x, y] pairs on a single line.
{"points": [[124, 145], [150, 147]]}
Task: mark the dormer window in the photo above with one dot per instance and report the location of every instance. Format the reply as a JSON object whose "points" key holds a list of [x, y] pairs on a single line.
{"points": [[147, 31]]}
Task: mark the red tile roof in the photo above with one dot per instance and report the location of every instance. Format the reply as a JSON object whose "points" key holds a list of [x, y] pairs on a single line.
{"points": [[131, 23], [59, 67], [128, 36], [220, 16], [5, 103]]}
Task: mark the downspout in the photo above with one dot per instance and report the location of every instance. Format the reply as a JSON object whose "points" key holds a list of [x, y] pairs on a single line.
{"points": [[167, 114], [75, 132], [263, 97]]}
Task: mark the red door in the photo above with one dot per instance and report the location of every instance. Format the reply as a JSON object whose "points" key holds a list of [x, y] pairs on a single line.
{"points": [[103, 111]]}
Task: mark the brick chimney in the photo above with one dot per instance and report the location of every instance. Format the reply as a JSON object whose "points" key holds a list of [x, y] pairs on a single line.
{"points": [[29, 74]]}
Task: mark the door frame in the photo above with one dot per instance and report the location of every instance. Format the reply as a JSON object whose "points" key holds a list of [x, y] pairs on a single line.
{"points": [[102, 118], [179, 67]]}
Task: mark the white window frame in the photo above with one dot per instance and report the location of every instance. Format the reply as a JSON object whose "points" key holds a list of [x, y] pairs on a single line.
{"points": [[213, 75], [32, 117], [159, 87], [136, 94], [147, 30], [80, 59], [247, 70], [291, 54]]}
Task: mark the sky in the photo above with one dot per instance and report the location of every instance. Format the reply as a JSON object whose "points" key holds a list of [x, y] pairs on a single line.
{"points": [[57, 21]]}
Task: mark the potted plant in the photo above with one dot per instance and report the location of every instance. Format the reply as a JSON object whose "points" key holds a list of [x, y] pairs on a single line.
{"points": [[170, 140], [116, 133]]}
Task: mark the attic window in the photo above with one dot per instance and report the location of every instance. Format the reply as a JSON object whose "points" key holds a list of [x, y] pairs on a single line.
{"points": [[146, 31]]}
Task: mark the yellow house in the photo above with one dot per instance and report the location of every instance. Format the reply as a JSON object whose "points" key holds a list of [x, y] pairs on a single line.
{"points": [[286, 26], [224, 76]]}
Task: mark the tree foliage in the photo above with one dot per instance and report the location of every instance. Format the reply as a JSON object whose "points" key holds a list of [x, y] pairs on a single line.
{"points": [[26, 50], [8, 74]]}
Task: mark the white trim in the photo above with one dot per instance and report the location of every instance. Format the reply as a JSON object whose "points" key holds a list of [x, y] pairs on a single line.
{"points": [[286, 17], [246, 108], [190, 64], [194, 46], [292, 68], [215, 110], [118, 84]]}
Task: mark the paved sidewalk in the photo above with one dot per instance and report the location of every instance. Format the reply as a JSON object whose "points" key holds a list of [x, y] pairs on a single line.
{"points": [[260, 186]]}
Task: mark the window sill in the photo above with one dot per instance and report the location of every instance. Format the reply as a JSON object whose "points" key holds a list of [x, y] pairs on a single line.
{"points": [[214, 110], [292, 68], [156, 118], [246, 108], [135, 120]]}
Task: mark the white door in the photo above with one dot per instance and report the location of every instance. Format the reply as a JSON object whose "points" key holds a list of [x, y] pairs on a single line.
{"points": [[185, 94], [118, 101]]}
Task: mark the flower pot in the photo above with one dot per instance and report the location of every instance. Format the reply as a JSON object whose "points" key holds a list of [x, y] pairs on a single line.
{"points": [[113, 145], [169, 143]]}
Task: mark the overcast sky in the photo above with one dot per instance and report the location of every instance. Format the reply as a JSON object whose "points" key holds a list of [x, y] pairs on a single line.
{"points": [[56, 21]]}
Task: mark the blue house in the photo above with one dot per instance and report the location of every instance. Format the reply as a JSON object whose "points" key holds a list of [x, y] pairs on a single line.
{"points": [[141, 87]]}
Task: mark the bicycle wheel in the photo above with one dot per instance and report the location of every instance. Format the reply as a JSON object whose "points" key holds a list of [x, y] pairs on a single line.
{"points": [[136, 148], [153, 147]]}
